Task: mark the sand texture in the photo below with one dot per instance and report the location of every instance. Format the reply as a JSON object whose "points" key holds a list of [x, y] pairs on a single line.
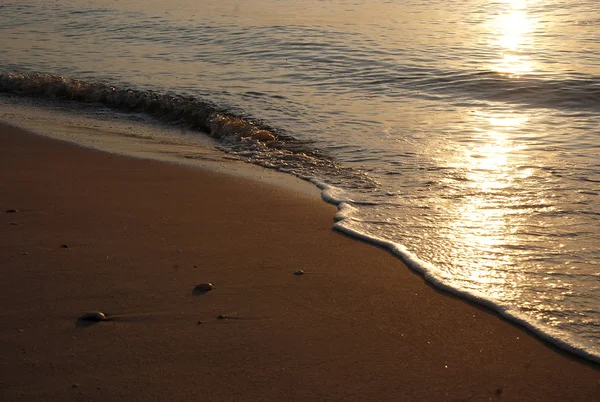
{"points": [[133, 238]]}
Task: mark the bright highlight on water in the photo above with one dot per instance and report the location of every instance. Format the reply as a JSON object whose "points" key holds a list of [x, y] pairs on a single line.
{"points": [[463, 135]]}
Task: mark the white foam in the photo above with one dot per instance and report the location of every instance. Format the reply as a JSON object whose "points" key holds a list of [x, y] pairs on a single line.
{"points": [[441, 279]]}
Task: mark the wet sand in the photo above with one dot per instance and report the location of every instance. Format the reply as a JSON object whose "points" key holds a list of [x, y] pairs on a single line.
{"points": [[132, 238]]}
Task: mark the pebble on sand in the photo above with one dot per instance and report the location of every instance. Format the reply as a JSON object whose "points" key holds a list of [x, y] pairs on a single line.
{"points": [[203, 287], [64, 246], [299, 272], [94, 316], [12, 211]]}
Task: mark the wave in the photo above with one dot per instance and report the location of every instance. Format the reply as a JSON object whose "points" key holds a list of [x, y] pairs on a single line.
{"points": [[243, 136], [195, 113], [574, 93]]}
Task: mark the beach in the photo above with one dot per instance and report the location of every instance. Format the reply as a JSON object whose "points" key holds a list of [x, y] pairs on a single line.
{"points": [[94, 231], [465, 142]]}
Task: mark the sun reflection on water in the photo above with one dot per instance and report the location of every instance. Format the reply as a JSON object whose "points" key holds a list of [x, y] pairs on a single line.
{"points": [[484, 223], [511, 33]]}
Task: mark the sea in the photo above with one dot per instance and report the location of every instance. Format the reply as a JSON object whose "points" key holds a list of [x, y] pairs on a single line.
{"points": [[462, 135]]}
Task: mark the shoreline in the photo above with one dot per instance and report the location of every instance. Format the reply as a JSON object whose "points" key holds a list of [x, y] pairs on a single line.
{"points": [[142, 234], [144, 140], [513, 316]]}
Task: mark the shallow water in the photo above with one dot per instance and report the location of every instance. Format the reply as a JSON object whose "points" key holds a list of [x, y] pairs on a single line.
{"points": [[463, 134]]}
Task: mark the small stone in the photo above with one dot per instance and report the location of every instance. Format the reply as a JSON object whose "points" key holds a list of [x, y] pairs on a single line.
{"points": [[64, 246], [203, 287], [195, 266], [498, 391], [199, 323], [94, 316], [25, 253], [12, 211], [299, 272], [14, 223], [75, 386], [221, 317]]}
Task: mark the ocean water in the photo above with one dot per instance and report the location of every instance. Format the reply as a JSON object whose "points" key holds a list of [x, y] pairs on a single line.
{"points": [[463, 135]]}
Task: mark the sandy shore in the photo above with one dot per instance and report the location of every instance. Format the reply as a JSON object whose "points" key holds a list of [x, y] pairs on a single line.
{"points": [[141, 234]]}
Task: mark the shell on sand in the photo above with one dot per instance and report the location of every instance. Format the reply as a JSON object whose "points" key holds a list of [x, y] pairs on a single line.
{"points": [[93, 316]]}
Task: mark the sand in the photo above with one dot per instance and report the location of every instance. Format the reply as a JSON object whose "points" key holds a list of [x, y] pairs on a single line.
{"points": [[132, 238]]}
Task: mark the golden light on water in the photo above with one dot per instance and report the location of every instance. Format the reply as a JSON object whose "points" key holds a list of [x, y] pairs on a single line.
{"points": [[484, 221], [511, 33], [487, 162]]}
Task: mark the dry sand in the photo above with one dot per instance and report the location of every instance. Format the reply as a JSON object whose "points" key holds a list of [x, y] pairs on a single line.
{"points": [[141, 234]]}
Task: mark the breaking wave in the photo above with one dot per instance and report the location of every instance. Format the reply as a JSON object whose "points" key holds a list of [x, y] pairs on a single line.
{"points": [[242, 136]]}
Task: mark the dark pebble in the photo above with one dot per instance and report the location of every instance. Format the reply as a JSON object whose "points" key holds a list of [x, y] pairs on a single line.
{"points": [[12, 211], [199, 323], [14, 223], [222, 317], [93, 316], [64, 246], [203, 287], [299, 272]]}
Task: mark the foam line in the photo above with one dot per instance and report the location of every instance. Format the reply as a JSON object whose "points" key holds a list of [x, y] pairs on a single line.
{"points": [[441, 280]]}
